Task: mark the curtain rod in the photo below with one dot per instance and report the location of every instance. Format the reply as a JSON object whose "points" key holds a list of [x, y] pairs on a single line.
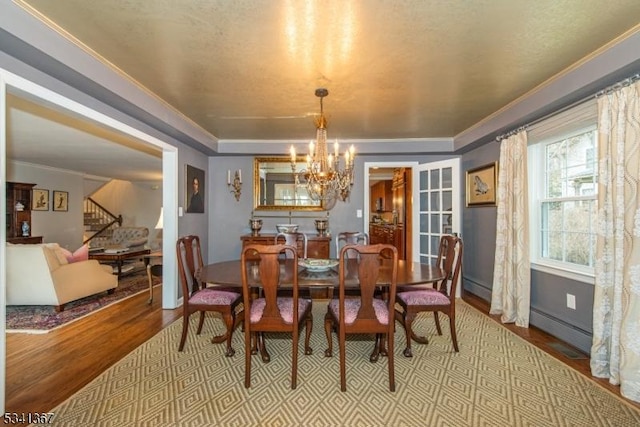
{"points": [[622, 83]]}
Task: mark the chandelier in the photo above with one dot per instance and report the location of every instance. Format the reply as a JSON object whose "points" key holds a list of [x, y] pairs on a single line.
{"points": [[323, 177]]}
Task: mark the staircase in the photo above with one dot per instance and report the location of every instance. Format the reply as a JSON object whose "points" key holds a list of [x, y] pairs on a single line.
{"points": [[99, 223]]}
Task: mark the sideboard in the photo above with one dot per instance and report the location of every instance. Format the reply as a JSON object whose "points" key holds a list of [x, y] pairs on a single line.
{"points": [[317, 246]]}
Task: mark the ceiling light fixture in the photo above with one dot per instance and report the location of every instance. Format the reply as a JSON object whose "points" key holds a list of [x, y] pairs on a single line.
{"points": [[323, 178]]}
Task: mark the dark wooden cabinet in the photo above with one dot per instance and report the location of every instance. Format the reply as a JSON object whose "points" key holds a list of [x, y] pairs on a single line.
{"points": [[317, 246], [381, 196], [388, 234], [18, 212]]}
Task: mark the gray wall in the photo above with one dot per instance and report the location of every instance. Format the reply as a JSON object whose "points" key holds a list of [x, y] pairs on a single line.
{"points": [[230, 219]]}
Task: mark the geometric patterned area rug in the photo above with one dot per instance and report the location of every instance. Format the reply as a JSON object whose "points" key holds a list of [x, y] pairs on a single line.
{"points": [[497, 379], [38, 319]]}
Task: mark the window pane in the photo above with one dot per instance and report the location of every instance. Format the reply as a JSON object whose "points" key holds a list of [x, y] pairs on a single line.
{"points": [[435, 179], [447, 201], [447, 180], [435, 201], [435, 223], [578, 248], [424, 180], [424, 223], [424, 201], [424, 244], [435, 244]]}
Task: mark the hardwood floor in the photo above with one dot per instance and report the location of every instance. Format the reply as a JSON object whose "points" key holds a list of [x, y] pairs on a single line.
{"points": [[44, 370]]}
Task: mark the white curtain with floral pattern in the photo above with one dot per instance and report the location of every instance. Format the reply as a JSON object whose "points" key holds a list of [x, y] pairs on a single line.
{"points": [[615, 351], [510, 296]]}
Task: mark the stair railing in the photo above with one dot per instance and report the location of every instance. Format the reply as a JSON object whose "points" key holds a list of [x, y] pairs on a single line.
{"points": [[107, 219]]}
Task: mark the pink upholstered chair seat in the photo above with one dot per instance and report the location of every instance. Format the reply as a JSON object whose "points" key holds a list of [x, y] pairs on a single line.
{"points": [[285, 305], [425, 297], [352, 306], [210, 296]]}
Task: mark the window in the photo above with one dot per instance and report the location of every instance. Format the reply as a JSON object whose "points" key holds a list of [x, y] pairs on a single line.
{"points": [[563, 196]]}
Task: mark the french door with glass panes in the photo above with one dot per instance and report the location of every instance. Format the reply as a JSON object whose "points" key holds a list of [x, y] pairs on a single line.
{"points": [[437, 210]]}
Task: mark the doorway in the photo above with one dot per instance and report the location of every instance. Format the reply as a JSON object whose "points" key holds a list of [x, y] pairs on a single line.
{"points": [[388, 205], [18, 86]]}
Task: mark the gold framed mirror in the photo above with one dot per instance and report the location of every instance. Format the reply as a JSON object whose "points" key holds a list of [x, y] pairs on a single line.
{"points": [[274, 186]]}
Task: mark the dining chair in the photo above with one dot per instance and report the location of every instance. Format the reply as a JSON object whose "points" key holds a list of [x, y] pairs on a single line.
{"points": [[271, 312], [441, 298], [350, 238], [363, 313], [295, 239], [198, 298]]}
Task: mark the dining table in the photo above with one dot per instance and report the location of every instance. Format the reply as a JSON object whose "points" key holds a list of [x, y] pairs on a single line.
{"points": [[228, 274]]}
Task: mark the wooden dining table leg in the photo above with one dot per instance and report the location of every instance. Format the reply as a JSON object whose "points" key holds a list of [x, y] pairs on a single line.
{"points": [[379, 348]]}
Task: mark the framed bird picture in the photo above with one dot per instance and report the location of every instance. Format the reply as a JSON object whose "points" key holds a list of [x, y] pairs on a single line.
{"points": [[481, 185]]}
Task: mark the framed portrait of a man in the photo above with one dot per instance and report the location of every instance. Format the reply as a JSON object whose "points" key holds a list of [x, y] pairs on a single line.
{"points": [[195, 190]]}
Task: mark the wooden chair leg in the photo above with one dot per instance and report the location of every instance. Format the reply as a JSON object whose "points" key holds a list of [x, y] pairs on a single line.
{"points": [[328, 327], [247, 358], [200, 323], [452, 326], [390, 361], [185, 330], [343, 361], [437, 319], [294, 360]]}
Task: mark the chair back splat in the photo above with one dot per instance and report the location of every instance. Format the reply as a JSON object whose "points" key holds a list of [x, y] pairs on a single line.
{"points": [[198, 298], [276, 268], [365, 313], [440, 299]]}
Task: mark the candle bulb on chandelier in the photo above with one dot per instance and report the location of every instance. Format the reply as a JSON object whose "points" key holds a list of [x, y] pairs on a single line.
{"points": [[228, 177], [352, 152], [293, 154], [330, 161], [311, 153], [239, 173], [335, 149]]}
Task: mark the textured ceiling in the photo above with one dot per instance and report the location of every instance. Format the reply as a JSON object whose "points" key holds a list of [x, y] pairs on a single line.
{"points": [[248, 69]]}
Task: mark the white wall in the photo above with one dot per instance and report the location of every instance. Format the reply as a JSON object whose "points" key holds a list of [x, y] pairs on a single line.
{"points": [[138, 203], [64, 228]]}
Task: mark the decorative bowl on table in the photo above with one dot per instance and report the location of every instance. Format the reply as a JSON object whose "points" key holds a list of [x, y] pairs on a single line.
{"points": [[287, 228], [317, 264]]}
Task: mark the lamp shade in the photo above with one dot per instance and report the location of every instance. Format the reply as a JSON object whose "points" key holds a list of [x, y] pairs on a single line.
{"points": [[159, 224]]}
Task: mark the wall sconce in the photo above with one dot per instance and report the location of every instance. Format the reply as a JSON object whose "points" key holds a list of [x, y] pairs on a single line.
{"points": [[235, 186]]}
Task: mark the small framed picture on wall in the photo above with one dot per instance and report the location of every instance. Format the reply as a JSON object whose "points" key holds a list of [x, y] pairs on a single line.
{"points": [[60, 201], [481, 185], [195, 189], [40, 200]]}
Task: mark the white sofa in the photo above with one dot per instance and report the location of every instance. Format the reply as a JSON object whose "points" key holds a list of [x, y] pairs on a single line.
{"points": [[41, 275]]}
